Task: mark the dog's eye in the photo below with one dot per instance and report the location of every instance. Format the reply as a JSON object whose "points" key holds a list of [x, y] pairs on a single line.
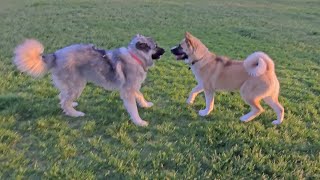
{"points": [[142, 46]]}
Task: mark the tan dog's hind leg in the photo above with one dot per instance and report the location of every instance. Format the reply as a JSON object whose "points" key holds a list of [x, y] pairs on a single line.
{"points": [[129, 100], [277, 107], [142, 101], [256, 110], [193, 94], [209, 103]]}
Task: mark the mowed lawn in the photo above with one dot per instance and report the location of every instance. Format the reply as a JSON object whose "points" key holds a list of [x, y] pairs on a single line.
{"points": [[38, 141]]}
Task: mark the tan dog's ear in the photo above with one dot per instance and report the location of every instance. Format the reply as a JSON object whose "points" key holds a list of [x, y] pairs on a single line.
{"points": [[198, 48], [187, 35], [189, 39]]}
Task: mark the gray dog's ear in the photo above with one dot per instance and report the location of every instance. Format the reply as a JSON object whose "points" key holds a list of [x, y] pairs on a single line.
{"points": [[142, 46]]}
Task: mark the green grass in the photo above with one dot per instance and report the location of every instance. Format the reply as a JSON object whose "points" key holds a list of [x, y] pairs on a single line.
{"points": [[38, 141]]}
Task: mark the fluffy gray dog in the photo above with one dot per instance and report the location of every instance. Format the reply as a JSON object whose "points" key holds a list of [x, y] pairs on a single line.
{"points": [[122, 69]]}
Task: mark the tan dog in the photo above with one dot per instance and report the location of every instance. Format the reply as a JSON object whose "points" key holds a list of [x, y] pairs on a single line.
{"points": [[255, 77]]}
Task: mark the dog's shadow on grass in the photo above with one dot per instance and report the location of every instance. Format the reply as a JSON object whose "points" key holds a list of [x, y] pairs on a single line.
{"points": [[27, 108], [31, 107], [107, 109], [104, 109]]}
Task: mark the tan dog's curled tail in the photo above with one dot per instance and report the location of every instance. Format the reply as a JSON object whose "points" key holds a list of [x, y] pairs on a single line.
{"points": [[258, 63], [29, 58]]}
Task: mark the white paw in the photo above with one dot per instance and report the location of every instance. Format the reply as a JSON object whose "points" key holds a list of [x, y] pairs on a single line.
{"points": [[244, 118], [75, 114], [149, 104], [141, 123], [276, 122], [203, 112], [247, 117], [74, 104], [190, 101], [146, 105]]}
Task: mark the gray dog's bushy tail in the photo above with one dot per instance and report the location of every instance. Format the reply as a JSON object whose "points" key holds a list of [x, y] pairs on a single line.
{"points": [[258, 63], [29, 58]]}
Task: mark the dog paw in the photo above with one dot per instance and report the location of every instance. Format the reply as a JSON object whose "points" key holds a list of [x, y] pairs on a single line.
{"points": [[141, 123], [190, 101], [74, 104], [75, 114], [247, 117], [148, 104], [244, 118], [203, 112], [276, 122]]}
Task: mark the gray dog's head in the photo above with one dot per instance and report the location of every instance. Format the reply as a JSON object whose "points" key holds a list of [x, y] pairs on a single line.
{"points": [[147, 48]]}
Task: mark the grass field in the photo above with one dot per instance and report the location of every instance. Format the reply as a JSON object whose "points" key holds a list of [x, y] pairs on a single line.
{"points": [[37, 141]]}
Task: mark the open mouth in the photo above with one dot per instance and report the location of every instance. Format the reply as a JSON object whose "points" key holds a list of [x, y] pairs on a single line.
{"points": [[181, 56], [158, 54], [178, 52], [156, 57]]}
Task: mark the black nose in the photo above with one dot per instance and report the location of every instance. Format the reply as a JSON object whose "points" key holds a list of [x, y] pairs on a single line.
{"points": [[162, 51]]}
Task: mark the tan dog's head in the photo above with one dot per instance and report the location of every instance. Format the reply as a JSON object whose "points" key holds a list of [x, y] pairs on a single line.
{"points": [[189, 48]]}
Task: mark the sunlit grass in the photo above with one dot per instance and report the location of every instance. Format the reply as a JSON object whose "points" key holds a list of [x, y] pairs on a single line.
{"points": [[38, 141]]}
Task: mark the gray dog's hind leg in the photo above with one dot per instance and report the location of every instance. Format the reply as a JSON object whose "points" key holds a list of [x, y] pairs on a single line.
{"points": [[69, 91]]}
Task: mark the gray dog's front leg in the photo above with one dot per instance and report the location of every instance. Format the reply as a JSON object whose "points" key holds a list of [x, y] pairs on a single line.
{"points": [[129, 102]]}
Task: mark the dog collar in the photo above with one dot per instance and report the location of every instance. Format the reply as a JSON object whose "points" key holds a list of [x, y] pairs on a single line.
{"points": [[193, 63], [135, 57]]}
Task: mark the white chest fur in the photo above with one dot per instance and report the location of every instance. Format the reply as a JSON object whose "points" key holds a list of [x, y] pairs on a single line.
{"points": [[194, 70]]}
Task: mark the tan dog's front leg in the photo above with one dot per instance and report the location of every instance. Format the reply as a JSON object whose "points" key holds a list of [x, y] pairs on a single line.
{"points": [[142, 101], [209, 103], [193, 94], [129, 100]]}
